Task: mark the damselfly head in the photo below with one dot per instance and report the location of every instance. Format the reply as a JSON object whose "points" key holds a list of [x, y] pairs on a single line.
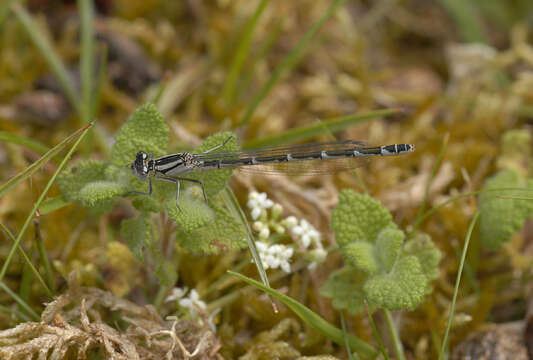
{"points": [[141, 166]]}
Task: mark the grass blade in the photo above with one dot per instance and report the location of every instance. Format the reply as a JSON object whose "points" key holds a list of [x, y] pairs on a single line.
{"points": [[318, 128], [87, 58], [228, 92], [41, 197], [237, 212], [436, 166], [53, 204], [290, 60], [53, 60], [27, 260], [4, 10], [6, 310], [18, 140], [30, 170], [467, 19], [345, 334], [314, 320], [49, 274], [455, 198], [21, 302], [457, 282]]}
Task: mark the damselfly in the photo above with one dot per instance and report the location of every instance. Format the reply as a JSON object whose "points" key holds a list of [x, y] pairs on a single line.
{"points": [[314, 158]]}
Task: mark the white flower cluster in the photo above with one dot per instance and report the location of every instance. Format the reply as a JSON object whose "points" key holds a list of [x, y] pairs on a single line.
{"points": [[192, 303], [302, 232], [307, 235], [258, 202], [274, 256]]}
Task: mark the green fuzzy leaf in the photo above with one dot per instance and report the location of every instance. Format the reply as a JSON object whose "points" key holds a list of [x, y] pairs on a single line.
{"points": [[166, 272], [77, 176], [145, 130], [147, 204], [139, 234], [192, 214], [427, 253], [404, 287], [97, 192], [359, 217], [345, 288], [215, 180], [360, 254], [372, 244], [222, 233], [388, 247], [500, 217]]}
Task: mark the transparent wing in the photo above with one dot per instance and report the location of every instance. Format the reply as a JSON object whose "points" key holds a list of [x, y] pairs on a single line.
{"points": [[294, 167], [306, 167], [281, 150]]}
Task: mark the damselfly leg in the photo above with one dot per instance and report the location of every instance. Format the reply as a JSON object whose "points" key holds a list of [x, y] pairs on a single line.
{"points": [[218, 146], [178, 185]]}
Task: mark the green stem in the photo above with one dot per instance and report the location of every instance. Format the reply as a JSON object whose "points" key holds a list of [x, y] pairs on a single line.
{"points": [[290, 60], [49, 54], [395, 338], [39, 201], [457, 282], [346, 341], [436, 166], [376, 333], [228, 92], [50, 278], [24, 305], [28, 261]]}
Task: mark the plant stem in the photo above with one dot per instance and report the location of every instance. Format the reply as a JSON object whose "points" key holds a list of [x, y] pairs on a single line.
{"points": [[398, 347], [457, 282]]}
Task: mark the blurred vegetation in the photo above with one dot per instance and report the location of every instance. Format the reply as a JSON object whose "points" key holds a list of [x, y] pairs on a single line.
{"points": [[453, 77]]}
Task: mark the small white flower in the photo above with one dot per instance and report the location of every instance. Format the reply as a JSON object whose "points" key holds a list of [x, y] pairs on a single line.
{"points": [[258, 225], [275, 256], [316, 256], [258, 202], [256, 211], [176, 294], [277, 210], [290, 222], [192, 302], [264, 233], [306, 233]]}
